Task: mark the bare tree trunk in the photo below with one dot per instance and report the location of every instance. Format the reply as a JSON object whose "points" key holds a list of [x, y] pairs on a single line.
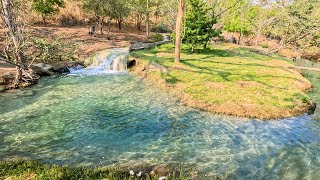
{"points": [[15, 35], [178, 30], [239, 39], [109, 26], [147, 20], [44, 20], [139, 22], [119, 24], [101, 25], [257, 37]]}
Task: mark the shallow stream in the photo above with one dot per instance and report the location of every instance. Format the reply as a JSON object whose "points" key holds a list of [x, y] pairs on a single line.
{"points": [[121, 119]]}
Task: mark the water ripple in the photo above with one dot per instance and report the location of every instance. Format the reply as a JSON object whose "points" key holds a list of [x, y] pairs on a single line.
{"points": [[107, 120]]}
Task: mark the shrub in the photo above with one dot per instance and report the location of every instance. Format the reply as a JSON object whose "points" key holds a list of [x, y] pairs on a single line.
{"points": [[161, 28], [53, 50], [70, 20], [264, 45], [158, 38]]}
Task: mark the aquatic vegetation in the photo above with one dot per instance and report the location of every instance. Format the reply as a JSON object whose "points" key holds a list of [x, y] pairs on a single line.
{"points": [[20, 170]]}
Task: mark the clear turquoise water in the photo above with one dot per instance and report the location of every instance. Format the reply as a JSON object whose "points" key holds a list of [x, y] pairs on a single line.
{"points": [[120, 119]]}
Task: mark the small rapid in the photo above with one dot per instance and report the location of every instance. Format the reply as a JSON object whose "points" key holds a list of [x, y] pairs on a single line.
{"points": [[112, 61]]}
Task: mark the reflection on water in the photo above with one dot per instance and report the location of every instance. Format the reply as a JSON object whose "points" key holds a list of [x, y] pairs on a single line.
{"points": [[120, 119]]}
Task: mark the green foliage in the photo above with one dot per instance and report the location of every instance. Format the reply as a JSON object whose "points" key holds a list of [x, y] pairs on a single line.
{"points": [[297, 24], [47, 7], [198, 24], [98, 7], [157, 38], [52, 51], [120, 9], [264, 45], [241, 20], [161, 28]]}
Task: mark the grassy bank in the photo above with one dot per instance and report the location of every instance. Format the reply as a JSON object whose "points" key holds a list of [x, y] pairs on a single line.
{"points": [[228, 80], [21, 170]]}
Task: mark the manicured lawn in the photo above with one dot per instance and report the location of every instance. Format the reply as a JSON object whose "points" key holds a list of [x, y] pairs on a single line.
{"points": [[229, 80]]}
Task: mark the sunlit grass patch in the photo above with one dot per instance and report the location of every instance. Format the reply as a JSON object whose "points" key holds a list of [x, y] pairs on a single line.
{"points": [[21, 170], [255, 84]]}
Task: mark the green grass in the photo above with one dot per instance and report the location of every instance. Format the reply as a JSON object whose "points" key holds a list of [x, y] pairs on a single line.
{"points": [[32, 170], [231, 80]]}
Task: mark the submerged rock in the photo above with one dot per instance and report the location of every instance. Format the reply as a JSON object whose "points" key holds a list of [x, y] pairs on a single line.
{"points": [[312, 108]]}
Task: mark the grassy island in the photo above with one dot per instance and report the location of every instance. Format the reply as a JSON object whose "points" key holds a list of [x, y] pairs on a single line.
{"points": [[228, 79]]}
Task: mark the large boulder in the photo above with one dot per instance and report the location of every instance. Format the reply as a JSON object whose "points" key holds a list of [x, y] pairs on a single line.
{"points": [[42, 69], [2, 88], [64, 67]]}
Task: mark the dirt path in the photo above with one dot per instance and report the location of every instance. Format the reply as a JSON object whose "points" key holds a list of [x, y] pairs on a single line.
{"points": [[87, 45]]}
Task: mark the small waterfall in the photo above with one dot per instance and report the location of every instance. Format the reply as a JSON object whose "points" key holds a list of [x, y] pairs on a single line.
{"points": [[106, 62]]}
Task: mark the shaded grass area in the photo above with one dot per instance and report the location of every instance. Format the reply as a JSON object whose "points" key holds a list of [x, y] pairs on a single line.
{"points": [[20, 170], [230, 80]]}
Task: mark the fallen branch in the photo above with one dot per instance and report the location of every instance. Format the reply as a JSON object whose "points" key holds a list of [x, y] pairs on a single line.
{"points": [[12, 63]]}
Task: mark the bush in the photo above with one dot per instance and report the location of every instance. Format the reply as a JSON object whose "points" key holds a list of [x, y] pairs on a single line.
{"points": [[69, 20], [264, 45], [161, 28], [53, 50], [158, 38]]}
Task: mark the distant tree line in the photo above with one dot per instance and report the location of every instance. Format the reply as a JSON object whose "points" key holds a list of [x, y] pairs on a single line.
{"points": [[195, 22]]}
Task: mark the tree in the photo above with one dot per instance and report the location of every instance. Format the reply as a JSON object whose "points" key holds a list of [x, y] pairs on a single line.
{"points": [[199, 23], [264, 17], [140, 9], [147, 19], [13, 52], [100, 9], [240, 20], [47, 7], [119, 10], [181, 5], [15, 39], [296, 23]]}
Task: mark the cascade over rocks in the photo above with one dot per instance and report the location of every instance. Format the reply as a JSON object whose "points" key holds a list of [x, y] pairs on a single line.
{"points": [[64, 67], [105, 62]]}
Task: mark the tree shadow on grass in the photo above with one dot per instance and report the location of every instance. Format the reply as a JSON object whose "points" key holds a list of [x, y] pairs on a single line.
{"points": [[226, 74]]}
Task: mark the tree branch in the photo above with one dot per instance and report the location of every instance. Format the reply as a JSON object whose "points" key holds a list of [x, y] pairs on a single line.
{"points": [[228, 8], [12, 63]]}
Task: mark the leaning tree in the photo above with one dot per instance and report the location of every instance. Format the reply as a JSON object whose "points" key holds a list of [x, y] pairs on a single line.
{"points": [[14, 39], [14, 43]]}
